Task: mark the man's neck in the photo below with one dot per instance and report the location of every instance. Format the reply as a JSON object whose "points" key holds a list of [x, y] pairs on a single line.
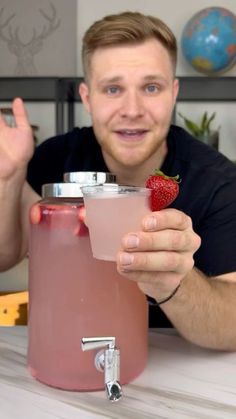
{"points": [[137, 175]]}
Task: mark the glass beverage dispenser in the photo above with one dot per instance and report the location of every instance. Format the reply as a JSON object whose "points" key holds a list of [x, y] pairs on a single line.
{"points": [[74, 297]]}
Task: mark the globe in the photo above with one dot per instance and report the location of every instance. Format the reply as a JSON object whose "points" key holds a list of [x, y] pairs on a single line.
{"points": [[208, 40]]}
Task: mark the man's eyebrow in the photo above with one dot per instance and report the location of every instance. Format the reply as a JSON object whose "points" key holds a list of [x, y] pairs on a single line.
{"points": [[116, 79], [154, 77], [108, 80]]}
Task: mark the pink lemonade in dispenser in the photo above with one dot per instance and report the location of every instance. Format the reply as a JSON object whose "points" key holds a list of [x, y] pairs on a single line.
{"points": [[73, 295]]}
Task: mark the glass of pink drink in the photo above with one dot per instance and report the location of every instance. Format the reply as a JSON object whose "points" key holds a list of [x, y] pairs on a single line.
{"points": [[111, 212], [73, 295]]}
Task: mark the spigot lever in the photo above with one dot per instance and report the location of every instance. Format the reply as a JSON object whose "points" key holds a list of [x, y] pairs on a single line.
{"points": [[111, 363]]}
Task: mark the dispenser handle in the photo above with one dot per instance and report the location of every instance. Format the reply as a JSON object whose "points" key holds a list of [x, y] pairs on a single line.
{"points": [[111, 363], [97, 342]]}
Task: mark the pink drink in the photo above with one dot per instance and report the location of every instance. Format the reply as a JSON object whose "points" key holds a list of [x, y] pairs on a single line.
{"points": [[73, 295], [112, 212]]}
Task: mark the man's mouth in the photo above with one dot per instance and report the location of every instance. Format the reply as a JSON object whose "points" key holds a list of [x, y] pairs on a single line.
{"points": [[131, 134]]}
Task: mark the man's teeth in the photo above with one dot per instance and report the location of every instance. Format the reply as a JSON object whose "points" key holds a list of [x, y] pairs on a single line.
{"points": [[132, 132]]}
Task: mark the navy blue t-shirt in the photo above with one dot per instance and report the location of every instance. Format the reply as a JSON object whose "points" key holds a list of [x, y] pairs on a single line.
{"points": [[207, 190]]}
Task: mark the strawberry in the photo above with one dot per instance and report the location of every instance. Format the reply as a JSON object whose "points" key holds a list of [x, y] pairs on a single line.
{"points": [[82, 229], [164, 190], [81, 213], [35, 214]]}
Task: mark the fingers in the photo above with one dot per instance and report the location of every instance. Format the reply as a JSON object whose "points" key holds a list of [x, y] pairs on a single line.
{"points": [[167, 230], [171, 240], [20, 113], [168, 218], [156, 261], [162, 252]]}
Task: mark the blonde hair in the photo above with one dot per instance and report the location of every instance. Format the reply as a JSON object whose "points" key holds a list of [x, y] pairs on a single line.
{"points": [[126, 28]]}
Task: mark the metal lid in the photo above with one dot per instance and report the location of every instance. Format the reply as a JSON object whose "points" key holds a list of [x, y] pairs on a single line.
{"points": [[61, 190], [89, 178]]}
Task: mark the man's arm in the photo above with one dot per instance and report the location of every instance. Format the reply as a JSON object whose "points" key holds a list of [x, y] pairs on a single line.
{"points": [[204, 310], [160, 258], [16, 196]]}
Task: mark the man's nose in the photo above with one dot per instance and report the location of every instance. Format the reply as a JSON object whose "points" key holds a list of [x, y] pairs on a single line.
{"points": [[132, 105]]}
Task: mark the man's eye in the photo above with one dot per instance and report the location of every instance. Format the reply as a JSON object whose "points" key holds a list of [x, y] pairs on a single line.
{"points": [[152, 88], [112, 90]]}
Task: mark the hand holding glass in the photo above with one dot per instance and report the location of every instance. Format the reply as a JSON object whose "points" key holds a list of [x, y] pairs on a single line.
{"points": [[111, 212]]}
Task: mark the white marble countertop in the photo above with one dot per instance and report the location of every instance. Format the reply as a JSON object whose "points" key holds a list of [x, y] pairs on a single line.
{"points": [[181, 381]]}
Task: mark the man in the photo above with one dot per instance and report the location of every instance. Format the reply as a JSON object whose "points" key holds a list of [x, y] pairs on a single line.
{"points": [[130, 91]]}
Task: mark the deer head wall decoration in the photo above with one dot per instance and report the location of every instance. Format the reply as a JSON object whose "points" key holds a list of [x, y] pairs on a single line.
{"points": [[26, 51]]}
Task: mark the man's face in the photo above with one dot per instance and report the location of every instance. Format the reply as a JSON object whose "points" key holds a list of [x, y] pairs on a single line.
{"points": [[130, 96]]}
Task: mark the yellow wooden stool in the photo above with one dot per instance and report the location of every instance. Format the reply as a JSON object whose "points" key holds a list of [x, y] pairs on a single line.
{"points": [[14, 308]]}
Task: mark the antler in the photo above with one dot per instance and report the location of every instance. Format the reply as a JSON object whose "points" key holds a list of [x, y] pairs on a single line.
{"points": [[53, 24], [4, 25], [47, 30], [25, 51]]}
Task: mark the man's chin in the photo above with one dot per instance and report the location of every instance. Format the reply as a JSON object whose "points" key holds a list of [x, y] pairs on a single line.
{"points": [[129, 161]]}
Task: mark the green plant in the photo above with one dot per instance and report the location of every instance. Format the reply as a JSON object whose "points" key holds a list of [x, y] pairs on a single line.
{"points": [[202, 129]]}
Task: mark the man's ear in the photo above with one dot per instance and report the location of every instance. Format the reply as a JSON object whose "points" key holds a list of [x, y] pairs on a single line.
{"points": [[175, 89], [84, 94]]}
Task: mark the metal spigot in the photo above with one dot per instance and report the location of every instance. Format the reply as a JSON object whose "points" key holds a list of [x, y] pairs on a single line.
{"points": [[109, 361]]}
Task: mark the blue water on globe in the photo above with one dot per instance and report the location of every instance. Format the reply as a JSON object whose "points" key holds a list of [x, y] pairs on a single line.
{"points": [[209, 40]]}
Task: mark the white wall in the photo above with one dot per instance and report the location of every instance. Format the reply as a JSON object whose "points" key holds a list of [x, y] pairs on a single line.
{"points": [[175, 14], [16, 278]]}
